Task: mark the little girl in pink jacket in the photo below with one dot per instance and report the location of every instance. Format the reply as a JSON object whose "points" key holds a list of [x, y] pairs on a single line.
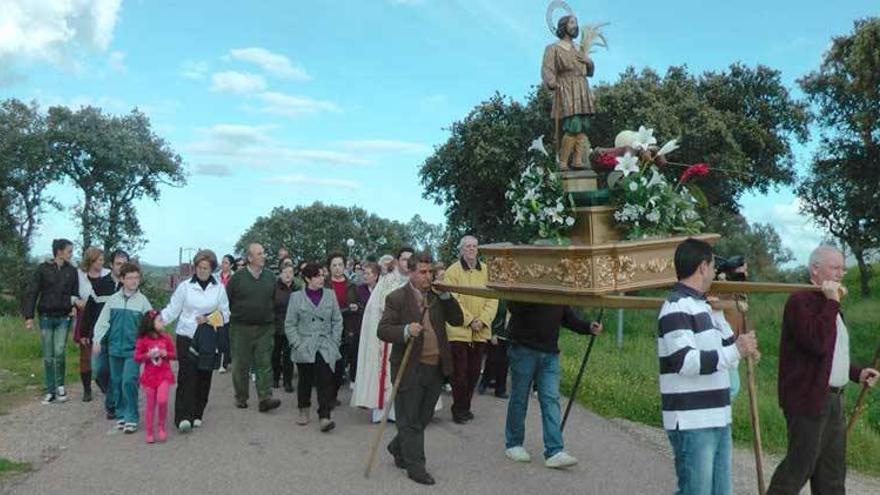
{"points": [[155, 350]]}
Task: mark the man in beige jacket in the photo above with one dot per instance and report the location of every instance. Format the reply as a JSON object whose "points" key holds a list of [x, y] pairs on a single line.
{"points": [[468, 342]]}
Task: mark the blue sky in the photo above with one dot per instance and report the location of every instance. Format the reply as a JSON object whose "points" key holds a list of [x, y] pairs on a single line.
{"points": [[287, 102]]}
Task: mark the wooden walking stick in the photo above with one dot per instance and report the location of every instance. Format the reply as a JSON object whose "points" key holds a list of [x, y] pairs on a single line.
{"points": [[371, 459], [753, 408], [864, 392], [577, 381]]}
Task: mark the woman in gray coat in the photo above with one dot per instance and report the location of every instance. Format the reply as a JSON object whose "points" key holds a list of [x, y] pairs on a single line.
{"points": [[314, 329]]}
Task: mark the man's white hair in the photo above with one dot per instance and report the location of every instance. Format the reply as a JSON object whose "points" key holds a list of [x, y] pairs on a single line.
{"points": [[465, 238], [817, 255]]}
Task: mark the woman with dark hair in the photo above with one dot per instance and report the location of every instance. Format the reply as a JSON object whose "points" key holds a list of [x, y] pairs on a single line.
{"points": [[282, 366], [227, 268], [200, 307], [56, 288], [314, 330]]}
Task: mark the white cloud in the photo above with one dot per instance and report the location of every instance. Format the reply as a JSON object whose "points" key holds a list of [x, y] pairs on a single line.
{"points": [[797, 231], [294, 106], [190, 69], [242, 83], [53, 31], [213, 170], [273, 63], [242, 145], [383, 146], [302, 180]]}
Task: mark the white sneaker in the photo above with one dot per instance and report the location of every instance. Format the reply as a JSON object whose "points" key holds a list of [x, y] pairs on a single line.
{"points": [[61, 395], [120, 424], [184, 426], [254, 377], [518, 454], [222, 370], [560, 461], [48, 399], [130, 428], [197, 423]]}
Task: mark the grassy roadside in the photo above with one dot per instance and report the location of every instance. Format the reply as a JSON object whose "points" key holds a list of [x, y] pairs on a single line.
{"points": [[623, 382], [8, 467]]}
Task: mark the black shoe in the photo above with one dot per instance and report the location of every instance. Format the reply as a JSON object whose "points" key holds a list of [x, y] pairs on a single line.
{"points": [[241, 404], [267, 405], [398, 460], [87, 396], [276, 383], [421, 477], [459, 419], [111, 414], [468, 416], [288, 387], [502, 395]]}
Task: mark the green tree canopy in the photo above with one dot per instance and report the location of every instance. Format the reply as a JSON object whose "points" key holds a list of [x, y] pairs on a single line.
{"points": [[841, 191]]}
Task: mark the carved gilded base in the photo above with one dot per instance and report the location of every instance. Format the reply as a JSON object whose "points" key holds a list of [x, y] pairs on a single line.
{"points": [[582, 269]]}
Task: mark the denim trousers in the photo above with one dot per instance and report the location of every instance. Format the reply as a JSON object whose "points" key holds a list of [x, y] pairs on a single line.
{"points": [[528, 365], [702, 460], [53, 337]]}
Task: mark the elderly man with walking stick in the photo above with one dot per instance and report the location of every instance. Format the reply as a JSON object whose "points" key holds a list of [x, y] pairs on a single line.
{"points": [[415, 322], [814, 368]]}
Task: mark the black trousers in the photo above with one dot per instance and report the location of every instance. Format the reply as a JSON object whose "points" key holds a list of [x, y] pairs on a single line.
{"points": [[193, 385], [495, 369], [223, 346], [282, 366], [320, 376], [816, 452], [414, 408]]}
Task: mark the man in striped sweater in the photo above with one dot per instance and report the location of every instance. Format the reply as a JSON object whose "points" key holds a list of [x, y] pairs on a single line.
{"points": [[695, 354]]}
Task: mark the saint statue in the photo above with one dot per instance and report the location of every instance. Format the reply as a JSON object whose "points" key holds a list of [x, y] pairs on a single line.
{"points": [[564, 71]]}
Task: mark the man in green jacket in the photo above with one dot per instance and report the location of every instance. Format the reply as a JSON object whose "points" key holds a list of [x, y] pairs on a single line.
{"points": [[251, 328]]}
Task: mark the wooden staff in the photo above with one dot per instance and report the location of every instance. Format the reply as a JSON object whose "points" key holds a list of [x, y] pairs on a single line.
{"points": [[753, 408], [862, 394], [577, 381]]}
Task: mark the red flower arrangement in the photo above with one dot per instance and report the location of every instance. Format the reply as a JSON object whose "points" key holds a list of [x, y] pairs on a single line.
{"points": [[698, 170], [605, 161]]}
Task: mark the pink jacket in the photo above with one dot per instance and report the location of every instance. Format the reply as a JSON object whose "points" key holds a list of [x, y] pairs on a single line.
{"points": [[159, 370]]}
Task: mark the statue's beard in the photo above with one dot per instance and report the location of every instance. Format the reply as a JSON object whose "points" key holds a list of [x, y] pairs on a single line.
{"points": [[574, 32]]}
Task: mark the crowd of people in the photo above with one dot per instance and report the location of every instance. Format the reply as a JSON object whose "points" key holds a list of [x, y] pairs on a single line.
{"points": [[339, 322]]}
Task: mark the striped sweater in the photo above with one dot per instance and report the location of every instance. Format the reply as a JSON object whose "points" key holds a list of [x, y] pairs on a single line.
{"points": [[696, 350]]}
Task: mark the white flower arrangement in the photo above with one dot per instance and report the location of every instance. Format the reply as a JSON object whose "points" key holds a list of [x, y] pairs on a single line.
{"points": [[537, 200], [647, 205]]}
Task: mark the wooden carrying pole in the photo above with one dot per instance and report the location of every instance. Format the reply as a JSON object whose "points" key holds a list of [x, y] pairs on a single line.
{"points": [[753, 410], [862, 394]]}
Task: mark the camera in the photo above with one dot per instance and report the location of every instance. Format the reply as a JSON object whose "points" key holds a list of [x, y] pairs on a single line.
{"points": [[725, 268]]}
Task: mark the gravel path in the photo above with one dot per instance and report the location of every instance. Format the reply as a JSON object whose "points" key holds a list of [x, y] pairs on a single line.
{"points": [[239, 451]]}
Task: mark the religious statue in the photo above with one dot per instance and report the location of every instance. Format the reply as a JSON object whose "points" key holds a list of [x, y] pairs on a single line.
{"points": [[564, 71]]}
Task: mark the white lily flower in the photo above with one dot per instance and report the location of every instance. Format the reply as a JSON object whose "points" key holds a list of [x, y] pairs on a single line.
{"points": [[644, 138], [569, 221], [538, 145], [633, 186], [627, 164], [669, 147], [656, 178]]}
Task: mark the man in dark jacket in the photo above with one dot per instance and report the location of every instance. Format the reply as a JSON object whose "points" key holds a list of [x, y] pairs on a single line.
{"points": [[534, 354], [415, 313], [56, 286], [814, 367]]}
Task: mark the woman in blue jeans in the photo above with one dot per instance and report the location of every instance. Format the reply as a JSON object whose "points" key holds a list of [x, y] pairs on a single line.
{"points": [[534, 357]]}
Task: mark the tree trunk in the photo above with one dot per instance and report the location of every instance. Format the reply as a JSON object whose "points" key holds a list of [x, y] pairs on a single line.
{"points": [[864, 272], [86, 221]]}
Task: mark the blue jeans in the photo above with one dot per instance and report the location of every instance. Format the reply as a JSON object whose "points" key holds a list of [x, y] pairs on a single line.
{"points": [[528, 365], [124, 372], [53, 337], [702, 460]]}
